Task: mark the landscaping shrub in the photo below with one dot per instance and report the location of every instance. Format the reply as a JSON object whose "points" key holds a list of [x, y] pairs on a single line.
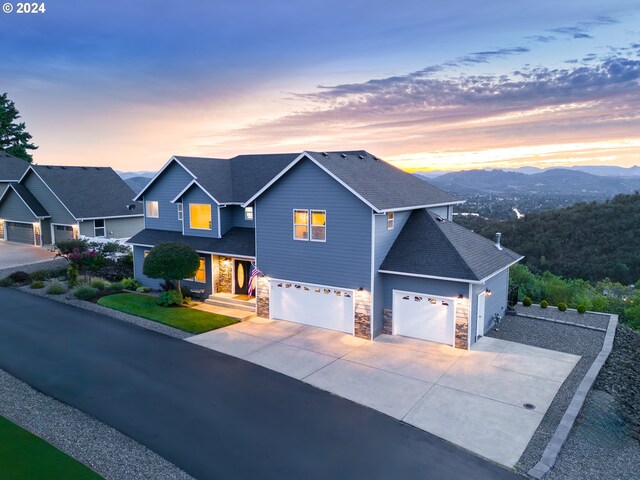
{"points": [[39, 275], [130, 283], [98, 284], [19, 277], [116, 287], [143, 289], [6, 282], [116, 270], [581, 309], [37, 284], [526, 301], [544, 304], [169, 298], [86, 293], [72, 274], [562, 306], [56, 288], [186, 291]]}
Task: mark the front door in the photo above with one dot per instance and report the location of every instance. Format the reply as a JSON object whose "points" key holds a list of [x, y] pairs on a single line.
{"points": [[242, 272]]}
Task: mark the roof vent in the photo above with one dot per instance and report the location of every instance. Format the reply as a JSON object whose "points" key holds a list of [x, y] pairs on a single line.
{"points": [[343, 155], [48, 167], [498, 238], [63, 168], [325, 154], [84, 168], [361, 157], [376, 158], [439, 218]]}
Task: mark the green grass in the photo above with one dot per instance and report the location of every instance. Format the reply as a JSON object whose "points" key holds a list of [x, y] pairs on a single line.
{"points": [[184, 318], [25, 456]]}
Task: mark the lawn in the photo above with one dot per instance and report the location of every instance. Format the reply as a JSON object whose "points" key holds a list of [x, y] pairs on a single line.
{"points": [[25, 456], [183, 318]]}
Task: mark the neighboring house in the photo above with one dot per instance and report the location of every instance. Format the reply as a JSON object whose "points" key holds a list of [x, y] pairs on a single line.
{"points": [[344, 241], [11, 169], [52, 203]]}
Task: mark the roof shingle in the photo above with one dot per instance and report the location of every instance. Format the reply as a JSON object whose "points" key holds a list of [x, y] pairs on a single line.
{"points": [[11, 168], [237, 241]]}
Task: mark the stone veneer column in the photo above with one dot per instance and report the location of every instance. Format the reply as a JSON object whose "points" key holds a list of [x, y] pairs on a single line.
{"points": [[363, 315], [387, 321], [225, 271], [262, 297], [462, 323]]}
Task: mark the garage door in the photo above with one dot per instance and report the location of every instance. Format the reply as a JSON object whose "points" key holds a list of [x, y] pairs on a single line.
{"points": [[312, 305], [62, 232], [20, 232], [428, 317]]}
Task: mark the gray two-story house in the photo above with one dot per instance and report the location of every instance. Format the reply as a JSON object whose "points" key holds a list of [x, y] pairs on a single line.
{"points": [[343, 241]]}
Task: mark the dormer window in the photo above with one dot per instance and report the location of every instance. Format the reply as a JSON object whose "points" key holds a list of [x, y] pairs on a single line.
{"points": [[248, 213], [390, 221], [200, 216]]}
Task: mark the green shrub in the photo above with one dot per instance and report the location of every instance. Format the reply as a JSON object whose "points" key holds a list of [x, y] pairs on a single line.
{"points": [[37, 284], [86, 293], [19, 277], [544, 304], [116, 287], [526, 301], [562, 306], [72, 274], [143, 289], [98, 284], [581, 308], [6, 282], [56, 288], [130, 284], [169, 298], [39, 275]]}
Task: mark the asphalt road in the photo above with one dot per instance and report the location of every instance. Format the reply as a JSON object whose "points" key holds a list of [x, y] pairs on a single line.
{"points": [[215, 416]]}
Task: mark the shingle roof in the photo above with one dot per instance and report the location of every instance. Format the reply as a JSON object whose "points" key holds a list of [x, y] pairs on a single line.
{"points": [[11, 168], [429, 245], [27, 197], [90, 192], [237, 241]]}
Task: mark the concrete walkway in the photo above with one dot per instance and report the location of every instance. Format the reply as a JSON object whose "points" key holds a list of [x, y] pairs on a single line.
{"points": [[475, 399]]}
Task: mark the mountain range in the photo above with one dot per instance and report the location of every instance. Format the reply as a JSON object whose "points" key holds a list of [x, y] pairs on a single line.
{"points": [[600, 170]]}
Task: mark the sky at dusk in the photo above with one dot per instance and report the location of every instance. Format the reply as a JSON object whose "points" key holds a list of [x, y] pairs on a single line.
{"points": [[427, 85]]}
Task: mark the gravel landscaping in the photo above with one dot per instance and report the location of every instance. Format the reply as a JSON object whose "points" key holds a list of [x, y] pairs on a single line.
{"points": [[588, 319], [34, 267], [102, 448], [554, 336]]}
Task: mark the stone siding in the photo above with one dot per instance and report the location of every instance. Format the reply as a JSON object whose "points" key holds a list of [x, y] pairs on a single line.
{"points": [[262, 298], [387, 322], [362, 320], [224, 274], [462, 323]]}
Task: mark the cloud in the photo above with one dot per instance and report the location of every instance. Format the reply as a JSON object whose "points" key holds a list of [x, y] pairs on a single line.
{"points": [[581, 29], [487, 55], [541, 38]]}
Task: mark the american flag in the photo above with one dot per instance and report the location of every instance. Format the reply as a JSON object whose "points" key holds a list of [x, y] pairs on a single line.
{"points": [[254, 273]]}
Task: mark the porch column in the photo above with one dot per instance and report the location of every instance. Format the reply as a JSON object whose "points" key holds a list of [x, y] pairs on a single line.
{"points": [[262, 297], [362, 320], [462, 323]]}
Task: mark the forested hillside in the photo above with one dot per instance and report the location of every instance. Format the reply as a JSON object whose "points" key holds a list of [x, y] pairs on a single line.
{"points": [[591, 241]]}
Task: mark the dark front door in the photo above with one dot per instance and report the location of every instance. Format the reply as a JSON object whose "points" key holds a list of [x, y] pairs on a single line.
{"points": [[243, 270]]}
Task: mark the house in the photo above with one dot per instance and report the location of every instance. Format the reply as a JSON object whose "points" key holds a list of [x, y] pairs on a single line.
{"points": [[11, 169], [47, 204], [343, 240]]}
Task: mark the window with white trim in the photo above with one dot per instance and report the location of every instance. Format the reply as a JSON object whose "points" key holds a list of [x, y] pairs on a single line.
{"points": [[200, 216], [201, 273], [180, 211], [151, 209], [248, 213], [390, 221], [99, 229], [318, 225], [301, 224]]}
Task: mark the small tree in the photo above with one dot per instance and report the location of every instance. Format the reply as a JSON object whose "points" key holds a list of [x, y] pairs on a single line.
{"points": [[14, 139], [171, 262]]}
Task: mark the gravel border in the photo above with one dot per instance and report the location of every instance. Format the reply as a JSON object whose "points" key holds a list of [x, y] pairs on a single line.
{"points": [[571, 315], [34, 267], [105, 450]]}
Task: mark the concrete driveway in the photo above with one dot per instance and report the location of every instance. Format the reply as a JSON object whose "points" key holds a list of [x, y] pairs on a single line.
{"points": [[16, 255], [475, 399]]}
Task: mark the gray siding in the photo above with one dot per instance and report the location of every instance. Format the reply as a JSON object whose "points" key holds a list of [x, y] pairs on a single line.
{"points": [[123, 227], [58, 212], [14, 209], [45, 231], [196, 195], [442, 288], [384, 239], [233, 216], [494, 304], [164, 189], [226, 219], [442, 211], [86, 228], [344, 260], [238, 218]]}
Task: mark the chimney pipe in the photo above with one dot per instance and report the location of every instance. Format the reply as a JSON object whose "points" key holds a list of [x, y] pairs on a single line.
{"points": [[498, 237]]}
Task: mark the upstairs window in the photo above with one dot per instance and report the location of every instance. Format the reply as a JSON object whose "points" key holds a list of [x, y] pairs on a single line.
{"points": [[318, 225], [301, 224], [180, 211], [151, 209], [98, 228], [248, 213], [390, 221], [200, 216]]}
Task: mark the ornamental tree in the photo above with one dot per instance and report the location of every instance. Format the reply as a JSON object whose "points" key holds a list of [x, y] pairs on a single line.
{"points": [[171, 262]]}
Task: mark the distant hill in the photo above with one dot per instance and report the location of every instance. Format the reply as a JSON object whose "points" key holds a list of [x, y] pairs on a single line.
{"points": [[587, 240], [600, 170], [128, 175], [137, 183]]}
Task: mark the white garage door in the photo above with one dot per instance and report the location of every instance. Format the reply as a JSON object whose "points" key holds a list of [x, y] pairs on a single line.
{"points": [[312, 305], [423, 316]]}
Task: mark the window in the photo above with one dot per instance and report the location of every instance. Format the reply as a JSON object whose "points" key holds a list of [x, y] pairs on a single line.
{"points": [[248, 213], [201, 273], [146, 253], [180, 211], [200, 216], [152, 209], [318, 225], [390, 222], [301, 224], [98, 228]]}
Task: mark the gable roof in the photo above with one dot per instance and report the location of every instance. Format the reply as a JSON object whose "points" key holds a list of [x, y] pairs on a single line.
{"points": [[89, 192], [27, 198], [11, 168], [433, 247]]}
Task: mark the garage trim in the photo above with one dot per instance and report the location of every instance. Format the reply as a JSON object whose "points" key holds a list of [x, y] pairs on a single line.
{"points": [[31, 226], [53, 230], [453, 301]]}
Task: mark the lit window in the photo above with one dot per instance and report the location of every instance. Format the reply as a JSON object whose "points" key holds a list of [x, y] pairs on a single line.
{"points": [[248, 213], [301, 224], [390, 221], [152, 209], [201, 273], [98, 228], [180, 211], [146, 253], [318, 225], [200, 216]]}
